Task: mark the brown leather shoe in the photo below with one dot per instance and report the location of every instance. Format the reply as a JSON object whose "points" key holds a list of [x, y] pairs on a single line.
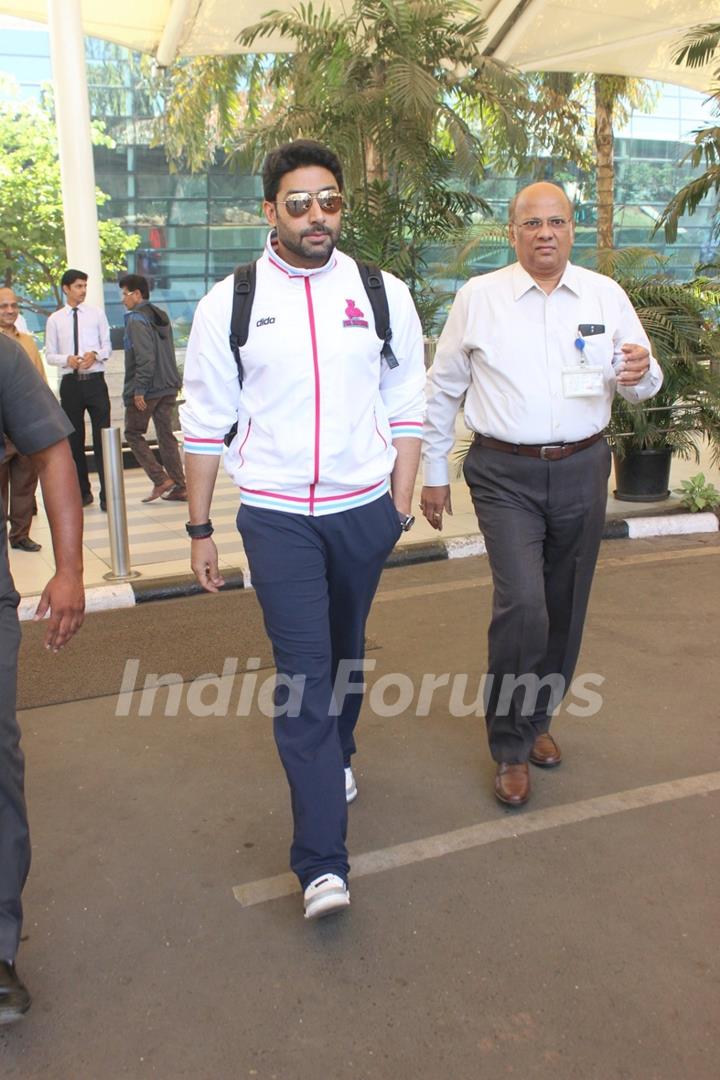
{"points": [[159, 490], [546, 752], [177, 493], [26, 544], [512, 783]]}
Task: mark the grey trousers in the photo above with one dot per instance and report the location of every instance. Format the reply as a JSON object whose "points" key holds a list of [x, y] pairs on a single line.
{"points": [[542, 522], [14, 833]]}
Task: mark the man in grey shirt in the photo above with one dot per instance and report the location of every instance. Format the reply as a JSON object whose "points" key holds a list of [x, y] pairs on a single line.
{"points": [[31, 417], [152, 381]]}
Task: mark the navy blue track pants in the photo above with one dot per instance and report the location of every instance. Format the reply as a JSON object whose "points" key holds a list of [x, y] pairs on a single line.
{"points": [[315, 578]]}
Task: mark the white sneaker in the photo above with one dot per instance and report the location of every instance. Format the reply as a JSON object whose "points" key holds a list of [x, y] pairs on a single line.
{"points": [[350, 786], [326, 895]]}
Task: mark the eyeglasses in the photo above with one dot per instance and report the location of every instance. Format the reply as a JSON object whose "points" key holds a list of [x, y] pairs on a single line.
{"points": [[557, 224], [329, 201]]}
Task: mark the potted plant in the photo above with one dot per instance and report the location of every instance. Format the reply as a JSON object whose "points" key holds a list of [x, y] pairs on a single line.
{"points": [[681, 320]]}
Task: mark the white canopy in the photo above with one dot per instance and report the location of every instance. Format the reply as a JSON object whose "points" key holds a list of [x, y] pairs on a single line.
{"points": [[616, 37]]}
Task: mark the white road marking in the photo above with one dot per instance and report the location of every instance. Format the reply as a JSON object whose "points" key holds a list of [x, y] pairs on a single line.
{"points": [[508, 827]]}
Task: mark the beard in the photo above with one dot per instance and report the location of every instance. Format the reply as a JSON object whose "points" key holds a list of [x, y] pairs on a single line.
{"points": [[312, 250]]}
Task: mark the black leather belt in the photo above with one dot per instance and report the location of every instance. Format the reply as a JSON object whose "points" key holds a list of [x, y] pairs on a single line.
{"points": [[84, 374], [549, 452]]}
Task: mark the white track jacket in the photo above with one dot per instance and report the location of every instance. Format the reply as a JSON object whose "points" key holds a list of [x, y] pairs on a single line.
{"points": [[319, 408]]}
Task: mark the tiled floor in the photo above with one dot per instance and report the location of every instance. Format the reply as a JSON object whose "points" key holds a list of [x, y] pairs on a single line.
{"points": [[159, 545]]}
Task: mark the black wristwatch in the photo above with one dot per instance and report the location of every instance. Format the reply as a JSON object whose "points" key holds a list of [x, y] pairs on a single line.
{"points": [[406, 521], [199, 532]]}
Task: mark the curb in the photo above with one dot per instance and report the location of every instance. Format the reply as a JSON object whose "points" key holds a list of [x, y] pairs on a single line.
{"points": [[130, 594]]}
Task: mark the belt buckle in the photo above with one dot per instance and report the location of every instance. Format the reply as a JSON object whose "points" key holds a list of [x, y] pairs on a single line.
{"points": [[551, 446]]}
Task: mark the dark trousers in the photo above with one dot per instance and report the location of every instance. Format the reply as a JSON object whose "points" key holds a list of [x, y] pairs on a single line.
{"points": [[76, 397], [19, 475], [160, 411], [315, 578], [14, 834], [542, 522]]}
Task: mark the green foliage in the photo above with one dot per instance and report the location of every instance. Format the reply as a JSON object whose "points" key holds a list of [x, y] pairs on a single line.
{"points": [[698, 494], [697, 48], [203, 108], [553, 115], [414, 129], [620, 94], [681, 320], [376, 85], [32, 234]]}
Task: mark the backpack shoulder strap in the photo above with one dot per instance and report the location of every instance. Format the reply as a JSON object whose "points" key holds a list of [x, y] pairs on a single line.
{"points": [[374, 284], [243, 296]]}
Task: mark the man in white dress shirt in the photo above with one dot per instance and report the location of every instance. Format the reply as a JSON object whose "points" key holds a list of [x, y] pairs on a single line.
{"points": [[537, 349], [77, 340]]}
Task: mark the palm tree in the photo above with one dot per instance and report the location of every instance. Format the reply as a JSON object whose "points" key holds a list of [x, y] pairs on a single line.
{"points": [[615, 95], [698, 47], [399, 89]]}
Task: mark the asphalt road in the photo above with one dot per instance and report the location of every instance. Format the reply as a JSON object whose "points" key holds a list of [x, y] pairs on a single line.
{"points": [[576, 939]]}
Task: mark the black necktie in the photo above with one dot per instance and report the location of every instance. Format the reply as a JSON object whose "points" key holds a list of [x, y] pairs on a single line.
{"points": [[76, 336]]}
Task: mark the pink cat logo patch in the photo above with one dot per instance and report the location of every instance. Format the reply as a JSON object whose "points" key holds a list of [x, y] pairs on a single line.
{"points": [[353, 315]]}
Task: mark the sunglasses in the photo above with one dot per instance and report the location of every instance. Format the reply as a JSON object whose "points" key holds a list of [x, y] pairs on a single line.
{"points": [[329, 201]]}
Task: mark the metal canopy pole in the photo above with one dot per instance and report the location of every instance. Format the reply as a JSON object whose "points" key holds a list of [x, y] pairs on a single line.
{"points": [[72, 107]]}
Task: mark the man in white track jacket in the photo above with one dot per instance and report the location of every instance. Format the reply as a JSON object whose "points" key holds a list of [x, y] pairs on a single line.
{"points": [[325, 457]]}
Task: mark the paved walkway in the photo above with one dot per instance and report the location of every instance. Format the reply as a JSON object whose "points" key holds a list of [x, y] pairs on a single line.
{"points": [[159, 546], [575, 939]]}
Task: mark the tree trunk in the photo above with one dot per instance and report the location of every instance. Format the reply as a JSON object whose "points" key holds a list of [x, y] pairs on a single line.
{"points": [[374, 167], [605, 162]]}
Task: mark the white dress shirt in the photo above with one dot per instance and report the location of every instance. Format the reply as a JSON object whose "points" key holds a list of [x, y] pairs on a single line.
{"points": [[93, 336], [505, 347]]}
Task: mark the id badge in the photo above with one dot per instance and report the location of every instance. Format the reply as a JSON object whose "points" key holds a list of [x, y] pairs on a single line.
{"points": [[583, 380]]}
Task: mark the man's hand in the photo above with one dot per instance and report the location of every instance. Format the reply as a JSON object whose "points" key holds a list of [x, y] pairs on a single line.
{"points": [[87, 361], [433, 501], [635, 364], [204, 563], [63, 595], [74, 362], [64, 598], [139, 402]]}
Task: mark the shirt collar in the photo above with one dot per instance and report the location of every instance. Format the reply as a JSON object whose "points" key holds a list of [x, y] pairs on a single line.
{"points": [[523, 282], [294, 271], [12, 331], [69, 309]]}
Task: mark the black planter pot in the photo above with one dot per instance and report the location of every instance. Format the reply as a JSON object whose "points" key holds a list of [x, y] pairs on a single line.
{"points": [[643, 475]]}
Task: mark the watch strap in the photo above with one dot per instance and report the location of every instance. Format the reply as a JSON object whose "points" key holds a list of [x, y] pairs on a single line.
{"points": [[199, 532]]}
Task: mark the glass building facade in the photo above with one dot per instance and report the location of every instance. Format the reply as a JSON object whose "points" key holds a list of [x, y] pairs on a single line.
{"points": [[195, 228]]}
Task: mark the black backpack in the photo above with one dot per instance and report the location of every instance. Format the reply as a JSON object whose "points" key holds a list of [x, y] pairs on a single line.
{"points": [[244, 294]]}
